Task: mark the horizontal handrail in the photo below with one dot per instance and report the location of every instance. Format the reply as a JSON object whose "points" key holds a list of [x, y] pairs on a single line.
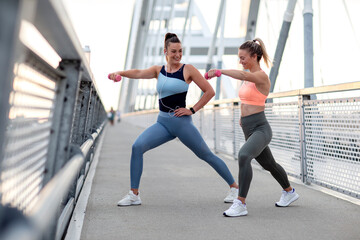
{"points": [[141, 112], [53, 193], [86, 146], [299, 92], [40, 63], [318, 90]]}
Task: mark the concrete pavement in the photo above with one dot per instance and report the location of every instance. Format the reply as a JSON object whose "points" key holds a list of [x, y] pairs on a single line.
{"points": [[183, 199]]}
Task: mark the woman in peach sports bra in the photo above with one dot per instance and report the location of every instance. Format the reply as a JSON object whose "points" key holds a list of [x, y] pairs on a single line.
{"points": [[256, 128]]}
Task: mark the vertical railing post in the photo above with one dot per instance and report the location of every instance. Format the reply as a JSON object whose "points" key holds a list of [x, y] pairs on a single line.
{"points": [[234, 106], [73, 74], [96, 106], [60, 143], [90, 112], [98, 103], [84, 97], [214, 122], [97, 112], [201, 112], [75, 135], [55, 130], [303, 156], [91, 106], [93, 125], [59, 146]]}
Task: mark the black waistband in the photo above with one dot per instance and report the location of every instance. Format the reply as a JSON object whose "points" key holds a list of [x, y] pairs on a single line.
{"points": [[172, 102]]}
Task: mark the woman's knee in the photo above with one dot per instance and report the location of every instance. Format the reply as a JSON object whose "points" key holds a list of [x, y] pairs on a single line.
{"points": [[244, 159], [267, 167], [207, 156], [138, 146], [268, 163], [203, 152]]}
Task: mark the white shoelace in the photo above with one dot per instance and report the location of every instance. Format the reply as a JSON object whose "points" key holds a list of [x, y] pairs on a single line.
{"points": [[236, 203], [285, 194]]}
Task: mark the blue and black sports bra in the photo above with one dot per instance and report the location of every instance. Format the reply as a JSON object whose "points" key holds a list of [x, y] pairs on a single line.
{"points": [[172, 89]]}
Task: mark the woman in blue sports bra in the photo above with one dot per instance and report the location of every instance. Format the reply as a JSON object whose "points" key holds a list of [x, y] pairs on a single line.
{"points": [[174, 119]]}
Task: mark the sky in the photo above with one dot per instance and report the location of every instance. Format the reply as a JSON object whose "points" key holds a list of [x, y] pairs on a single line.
{"points": [[104, 26]]}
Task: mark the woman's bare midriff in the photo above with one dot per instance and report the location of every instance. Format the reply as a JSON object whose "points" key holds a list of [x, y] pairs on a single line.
{"points": [[247, 109]]}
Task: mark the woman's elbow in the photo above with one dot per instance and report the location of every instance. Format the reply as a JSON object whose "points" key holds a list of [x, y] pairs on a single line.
{"points": [[210, 92]]}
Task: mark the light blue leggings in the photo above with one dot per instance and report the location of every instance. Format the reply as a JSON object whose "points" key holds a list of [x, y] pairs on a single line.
{"points": [[165, 129]]}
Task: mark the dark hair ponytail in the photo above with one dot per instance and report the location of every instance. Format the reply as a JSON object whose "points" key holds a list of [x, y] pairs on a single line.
{"points": [[170, 38]]}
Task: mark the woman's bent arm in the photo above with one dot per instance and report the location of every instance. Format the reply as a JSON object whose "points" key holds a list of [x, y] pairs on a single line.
{"points": [[204, 85]]}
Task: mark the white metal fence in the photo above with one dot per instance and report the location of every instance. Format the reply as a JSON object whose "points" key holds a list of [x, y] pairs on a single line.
{"points": [[317, 141]]}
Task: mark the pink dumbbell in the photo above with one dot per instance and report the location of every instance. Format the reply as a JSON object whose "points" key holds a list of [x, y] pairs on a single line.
{"points": [[117, 78], [217, 73]]}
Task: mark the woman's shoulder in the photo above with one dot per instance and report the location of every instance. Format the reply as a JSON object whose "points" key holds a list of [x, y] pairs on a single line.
{"points": [[188, 71], [157, 68], [261, 74], [188, 67]]}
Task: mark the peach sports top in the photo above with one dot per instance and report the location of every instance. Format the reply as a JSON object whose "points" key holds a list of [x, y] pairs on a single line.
{"points": [[249, 94]]}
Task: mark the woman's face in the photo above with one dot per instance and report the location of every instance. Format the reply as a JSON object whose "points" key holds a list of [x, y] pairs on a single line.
{"points": [[174, 53], [245, 59]]}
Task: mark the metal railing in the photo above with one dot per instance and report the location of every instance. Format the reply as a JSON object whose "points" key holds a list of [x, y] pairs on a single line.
{"points": [[317, 141], [51, 118]]}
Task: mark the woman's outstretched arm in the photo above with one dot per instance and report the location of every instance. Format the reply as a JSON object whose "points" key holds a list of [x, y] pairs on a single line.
{"points": [[149, 73], [258, 77]]}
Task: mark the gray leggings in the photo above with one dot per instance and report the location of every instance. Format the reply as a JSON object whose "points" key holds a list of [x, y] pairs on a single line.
{"points": [[258, 135]]}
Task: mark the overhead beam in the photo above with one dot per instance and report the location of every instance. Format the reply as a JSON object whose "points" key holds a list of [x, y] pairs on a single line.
{"points": [[284, 33]]}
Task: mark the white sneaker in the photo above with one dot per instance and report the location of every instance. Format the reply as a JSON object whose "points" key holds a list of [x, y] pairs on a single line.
{"points": [[237, 209], [287, 198], [130, 199], [232, 194]]}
